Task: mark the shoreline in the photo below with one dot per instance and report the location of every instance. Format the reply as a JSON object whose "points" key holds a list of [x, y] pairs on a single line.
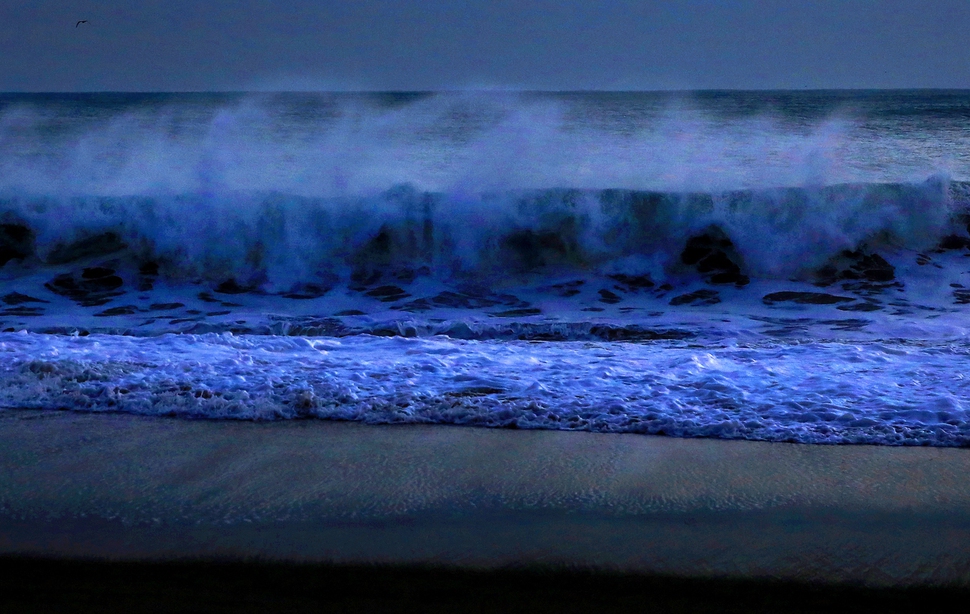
{"points": [[128, 489]]}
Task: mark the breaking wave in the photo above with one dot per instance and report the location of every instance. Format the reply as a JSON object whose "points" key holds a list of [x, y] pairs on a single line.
{"points": [[273, 241], [272, 193]]}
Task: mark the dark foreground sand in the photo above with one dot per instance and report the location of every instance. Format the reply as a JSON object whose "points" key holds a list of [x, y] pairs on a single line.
{"points": [[348, 512]]}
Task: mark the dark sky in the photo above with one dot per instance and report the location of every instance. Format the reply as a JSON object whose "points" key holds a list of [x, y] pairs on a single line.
{"points": [[174, 45]]}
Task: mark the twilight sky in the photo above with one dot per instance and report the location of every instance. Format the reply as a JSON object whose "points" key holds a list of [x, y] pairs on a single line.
{"points": [[175, 45]]}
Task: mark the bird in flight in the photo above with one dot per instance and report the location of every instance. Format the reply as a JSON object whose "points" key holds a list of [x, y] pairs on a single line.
{"points": [[80, 22]]}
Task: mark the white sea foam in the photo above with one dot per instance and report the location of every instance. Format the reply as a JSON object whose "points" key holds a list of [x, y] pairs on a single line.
{"points": [[885, 393]]}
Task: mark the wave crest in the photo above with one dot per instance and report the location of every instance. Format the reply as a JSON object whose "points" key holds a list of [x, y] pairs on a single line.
{"points": [[274, 240]]}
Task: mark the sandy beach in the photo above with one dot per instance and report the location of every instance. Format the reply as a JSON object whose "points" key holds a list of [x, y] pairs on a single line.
{"points": [[126, 488]]}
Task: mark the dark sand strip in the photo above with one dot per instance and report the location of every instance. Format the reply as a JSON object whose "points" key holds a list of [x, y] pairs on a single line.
{"points": [[39, 585], [124, 488]]}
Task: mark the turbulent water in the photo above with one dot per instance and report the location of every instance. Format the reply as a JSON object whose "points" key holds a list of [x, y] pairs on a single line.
{"points": [[783, 266]]}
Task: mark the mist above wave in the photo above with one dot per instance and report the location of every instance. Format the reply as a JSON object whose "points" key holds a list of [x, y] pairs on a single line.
{"points": [[454, 143]]}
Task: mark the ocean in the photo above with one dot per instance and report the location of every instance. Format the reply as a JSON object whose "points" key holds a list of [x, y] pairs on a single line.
{"points": [[777, 266]]}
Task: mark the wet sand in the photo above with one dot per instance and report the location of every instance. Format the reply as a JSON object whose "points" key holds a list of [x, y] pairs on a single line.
{"points": [[122, 489]]}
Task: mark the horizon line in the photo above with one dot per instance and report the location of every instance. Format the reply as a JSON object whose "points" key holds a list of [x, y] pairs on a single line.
{"points": [[486, 90]]}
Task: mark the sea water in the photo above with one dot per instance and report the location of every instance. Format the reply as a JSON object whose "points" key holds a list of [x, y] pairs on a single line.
{"points": [[781, 266]]}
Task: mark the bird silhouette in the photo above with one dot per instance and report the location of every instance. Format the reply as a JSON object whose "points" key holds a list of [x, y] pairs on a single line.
{"points": [[80, 22]]}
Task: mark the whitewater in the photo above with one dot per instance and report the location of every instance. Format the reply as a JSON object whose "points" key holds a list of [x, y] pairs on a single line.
{"points": [[778, 266]]}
